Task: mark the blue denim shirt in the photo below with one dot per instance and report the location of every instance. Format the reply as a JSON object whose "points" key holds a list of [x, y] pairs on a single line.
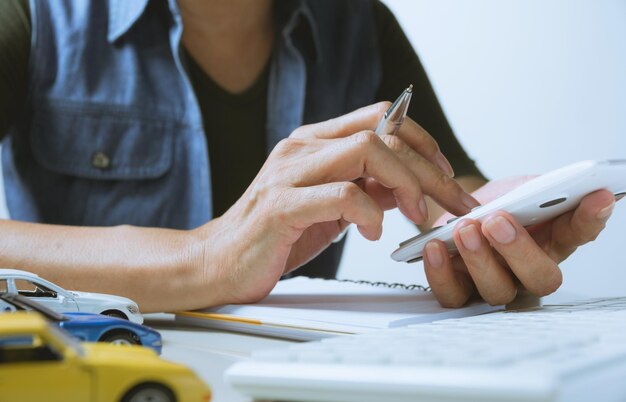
{"points": [[113, 133]]}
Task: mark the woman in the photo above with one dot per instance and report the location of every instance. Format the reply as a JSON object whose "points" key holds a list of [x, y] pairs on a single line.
{"points": [[136, 133]]}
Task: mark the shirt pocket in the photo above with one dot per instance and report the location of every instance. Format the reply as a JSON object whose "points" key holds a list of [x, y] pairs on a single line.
{"points": [[102, 141]]}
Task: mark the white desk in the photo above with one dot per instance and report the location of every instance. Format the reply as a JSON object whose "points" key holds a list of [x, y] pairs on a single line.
{"points": [[209, 353]]}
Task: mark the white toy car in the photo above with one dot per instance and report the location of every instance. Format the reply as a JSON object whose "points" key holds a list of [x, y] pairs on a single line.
{"points": [[56, 298]]}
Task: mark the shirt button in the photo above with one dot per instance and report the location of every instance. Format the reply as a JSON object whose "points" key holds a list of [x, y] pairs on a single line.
{"points": [[100, 160]]}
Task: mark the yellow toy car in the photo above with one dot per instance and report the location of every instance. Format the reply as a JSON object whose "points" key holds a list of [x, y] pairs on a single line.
{"points": [[38, 362]]}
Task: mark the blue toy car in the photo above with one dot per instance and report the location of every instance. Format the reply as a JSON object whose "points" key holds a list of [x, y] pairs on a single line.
{"points": [[89, 327]]}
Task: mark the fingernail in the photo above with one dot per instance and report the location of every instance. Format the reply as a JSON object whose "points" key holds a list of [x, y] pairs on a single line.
{"points": [[433, 255], [606, 212], [500, 229], [444, 164], [423, 208], [470, 237], [469, 201]]}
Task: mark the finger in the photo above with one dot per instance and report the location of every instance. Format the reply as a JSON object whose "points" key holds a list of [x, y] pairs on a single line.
{"points": [[451, 286], [364, 155], [424, 144], [581, 225], [365, 118], [379, 193], [493, 282], [306, 206], [441, 187], [533, 267]]}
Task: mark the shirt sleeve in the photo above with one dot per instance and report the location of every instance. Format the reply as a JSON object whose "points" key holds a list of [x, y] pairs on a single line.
{"points": [[401, 67], [15, 33]]}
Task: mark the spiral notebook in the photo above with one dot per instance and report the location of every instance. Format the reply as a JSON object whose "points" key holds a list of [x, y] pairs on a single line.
{"points": [[307, 309]]}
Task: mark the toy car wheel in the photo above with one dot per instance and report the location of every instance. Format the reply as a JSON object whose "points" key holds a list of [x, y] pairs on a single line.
{"points": [[121, 338], [151, 392], [116, 314]]}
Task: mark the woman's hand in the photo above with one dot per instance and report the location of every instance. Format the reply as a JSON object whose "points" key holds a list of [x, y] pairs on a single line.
{"points": [[499, 254], [315, 183]]}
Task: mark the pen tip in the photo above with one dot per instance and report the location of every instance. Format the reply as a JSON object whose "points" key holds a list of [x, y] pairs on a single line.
{"points": [[410, 88]]}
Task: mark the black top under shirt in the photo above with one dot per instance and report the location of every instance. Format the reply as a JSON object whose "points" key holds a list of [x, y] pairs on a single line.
{"points": [[234, 125]]}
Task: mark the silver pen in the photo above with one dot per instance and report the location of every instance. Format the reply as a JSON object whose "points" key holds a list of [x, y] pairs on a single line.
{"points": [[394, 116], [393, 119]]}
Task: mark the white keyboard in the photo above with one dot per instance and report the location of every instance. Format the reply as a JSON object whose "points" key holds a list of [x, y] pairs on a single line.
{"points": [[566, 352]]}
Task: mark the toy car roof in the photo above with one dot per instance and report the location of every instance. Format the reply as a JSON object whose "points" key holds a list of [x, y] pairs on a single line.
{"points": [[21, 322], [16, 272]]}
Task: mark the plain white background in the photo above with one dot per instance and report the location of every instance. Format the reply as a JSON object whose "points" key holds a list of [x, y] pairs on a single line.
{"points": [[528, 86]]}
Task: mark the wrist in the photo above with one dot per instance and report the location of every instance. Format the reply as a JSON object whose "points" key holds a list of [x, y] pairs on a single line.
{"points": [[203, 266]]}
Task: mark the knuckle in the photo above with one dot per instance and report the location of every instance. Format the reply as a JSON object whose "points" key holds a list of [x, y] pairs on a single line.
{"points": [[300, 132], [580, 234], [287, 146], [283, 146], [394, 143], [348, 192], [444, 181], [593, 236], [258, 192], [365, 139]]}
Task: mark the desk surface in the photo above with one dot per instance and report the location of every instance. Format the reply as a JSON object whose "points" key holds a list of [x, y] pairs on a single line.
{"points": [[209, 353]]}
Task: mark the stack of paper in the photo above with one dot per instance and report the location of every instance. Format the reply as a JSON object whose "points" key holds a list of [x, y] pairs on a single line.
{"points": [[306, 309]]}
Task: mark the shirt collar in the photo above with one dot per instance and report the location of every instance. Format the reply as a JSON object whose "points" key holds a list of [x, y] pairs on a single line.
{"points": [[295, 21], [293, 18], [123, 14]]}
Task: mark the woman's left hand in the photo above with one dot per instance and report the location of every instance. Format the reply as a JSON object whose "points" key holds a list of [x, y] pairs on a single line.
{"points": [[499, 254]]}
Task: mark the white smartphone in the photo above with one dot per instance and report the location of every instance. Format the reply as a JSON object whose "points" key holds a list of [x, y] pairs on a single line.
{"points": [[535, 201]]}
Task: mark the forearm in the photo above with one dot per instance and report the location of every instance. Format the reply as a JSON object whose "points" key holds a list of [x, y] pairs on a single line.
{"points": [[468, 183], [157, 268]]}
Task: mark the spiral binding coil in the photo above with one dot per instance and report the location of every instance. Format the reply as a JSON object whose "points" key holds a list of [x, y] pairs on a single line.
{"points": [[387, 285]]}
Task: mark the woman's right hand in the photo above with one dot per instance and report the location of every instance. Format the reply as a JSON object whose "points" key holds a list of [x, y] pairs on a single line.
{"points": [[322, 178]]}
